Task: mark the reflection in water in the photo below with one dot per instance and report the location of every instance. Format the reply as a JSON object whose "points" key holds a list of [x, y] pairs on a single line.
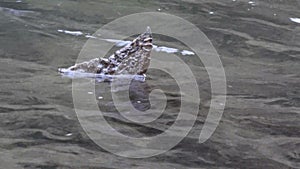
{"points": [[139, 98]]}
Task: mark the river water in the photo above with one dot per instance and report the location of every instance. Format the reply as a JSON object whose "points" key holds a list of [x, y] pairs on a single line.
{"points": [[259, 46]]}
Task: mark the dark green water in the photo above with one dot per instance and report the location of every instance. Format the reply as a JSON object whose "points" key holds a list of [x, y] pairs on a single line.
{"points": [[259, 45]]}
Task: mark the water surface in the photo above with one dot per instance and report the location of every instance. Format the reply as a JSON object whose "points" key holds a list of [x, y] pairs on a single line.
{"points": [[259, 45]]}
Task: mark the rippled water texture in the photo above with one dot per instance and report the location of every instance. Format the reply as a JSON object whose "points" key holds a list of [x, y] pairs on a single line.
{"points": [[259, 45]]}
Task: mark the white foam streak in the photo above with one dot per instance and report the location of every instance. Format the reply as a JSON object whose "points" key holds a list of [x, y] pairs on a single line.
{"points": [[164, 49], [76, 33], [186, 52], [119, 43], [297, 20], [90, 36]]}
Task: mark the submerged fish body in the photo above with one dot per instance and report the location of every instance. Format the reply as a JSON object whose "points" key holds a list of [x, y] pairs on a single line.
{"points": [[133, 59]]}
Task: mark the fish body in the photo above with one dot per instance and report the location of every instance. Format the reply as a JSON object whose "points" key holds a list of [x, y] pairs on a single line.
{"points": [[133, 59]]}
